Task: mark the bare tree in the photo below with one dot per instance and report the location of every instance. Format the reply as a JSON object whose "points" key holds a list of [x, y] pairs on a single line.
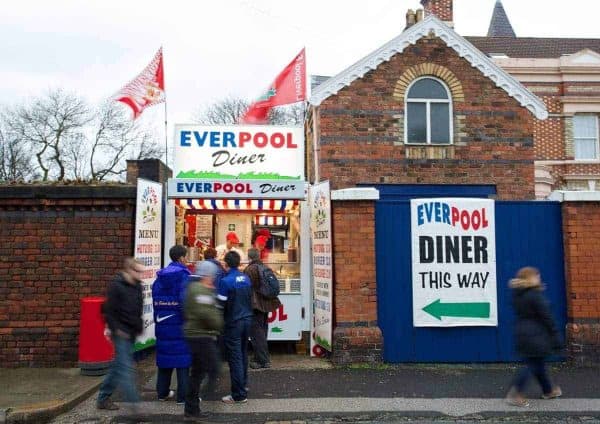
{"points": [[229, 110], [15, 160], [71, 140]]}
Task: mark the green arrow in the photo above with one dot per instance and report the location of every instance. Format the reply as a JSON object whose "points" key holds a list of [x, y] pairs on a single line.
{"points": [[276, 330], [462, 310]]}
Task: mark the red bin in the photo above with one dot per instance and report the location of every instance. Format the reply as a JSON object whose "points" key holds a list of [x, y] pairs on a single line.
{"points": [[96, 352]]}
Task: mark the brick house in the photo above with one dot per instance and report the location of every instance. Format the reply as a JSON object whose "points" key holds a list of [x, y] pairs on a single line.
{"points": [[565, 74]]}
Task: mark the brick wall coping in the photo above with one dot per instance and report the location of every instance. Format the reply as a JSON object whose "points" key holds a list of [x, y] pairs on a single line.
{"points": [[355, 193], [42, 191], [575, 196]]}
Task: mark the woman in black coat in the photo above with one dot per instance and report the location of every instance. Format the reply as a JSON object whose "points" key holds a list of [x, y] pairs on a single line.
{"points": [[536, 335]]}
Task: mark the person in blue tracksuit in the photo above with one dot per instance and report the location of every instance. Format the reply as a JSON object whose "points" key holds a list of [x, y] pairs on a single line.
{"points": [[235, 291], [171, 348]]}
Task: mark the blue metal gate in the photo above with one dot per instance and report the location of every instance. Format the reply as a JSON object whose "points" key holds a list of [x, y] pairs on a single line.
{"points": [[528, 233]]}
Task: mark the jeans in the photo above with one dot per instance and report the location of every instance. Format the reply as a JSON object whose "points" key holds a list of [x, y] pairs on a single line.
{"points": [[535, 366], [236, 342], [258, 334], [121, 372], [204, 362], [163, 382]]}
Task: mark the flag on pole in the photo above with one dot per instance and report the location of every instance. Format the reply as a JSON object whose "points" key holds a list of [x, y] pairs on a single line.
{"points": [[289, 87], [145, 90]]}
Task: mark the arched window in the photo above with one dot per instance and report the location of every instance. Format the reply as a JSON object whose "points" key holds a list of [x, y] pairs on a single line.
{"points": [[428, 112]]}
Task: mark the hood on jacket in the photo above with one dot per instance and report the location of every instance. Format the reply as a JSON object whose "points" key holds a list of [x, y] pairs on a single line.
{"points": [[171, 274], [525, 283]]}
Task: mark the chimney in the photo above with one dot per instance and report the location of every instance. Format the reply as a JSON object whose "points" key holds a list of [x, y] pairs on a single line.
{"points": [[420, 15], [411, 18], [440, 8]]}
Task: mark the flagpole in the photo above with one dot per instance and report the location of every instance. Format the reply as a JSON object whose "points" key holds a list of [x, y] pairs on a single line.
{"points": [[166, 137]]}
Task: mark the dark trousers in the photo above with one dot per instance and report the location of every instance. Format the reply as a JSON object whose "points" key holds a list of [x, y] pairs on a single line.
{"points": [[236, 342], [537, 367], [121, 372], [163, 382], [204, 362], [258, 334]]}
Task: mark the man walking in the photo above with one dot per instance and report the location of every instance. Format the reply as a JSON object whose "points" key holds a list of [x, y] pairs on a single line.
{"points": [[203, 323], [235, 290], [261, 305], [171, 349], [123, 315]]}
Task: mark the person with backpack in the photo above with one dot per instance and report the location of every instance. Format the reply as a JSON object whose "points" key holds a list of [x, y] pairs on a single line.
{"points": [[264, 300], [172, 351]]}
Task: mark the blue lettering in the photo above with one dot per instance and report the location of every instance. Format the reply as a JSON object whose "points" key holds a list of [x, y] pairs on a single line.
{"points": [[438, 211], [200, 139], [429, 211], [185, 138], [207, 188], [446, 213], [189, 187], [229, 138], [420, 220], [214, 139], [198, 187], [179, 187]]}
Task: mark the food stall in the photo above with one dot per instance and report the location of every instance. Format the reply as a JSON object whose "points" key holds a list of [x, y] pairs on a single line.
{"points": [[258, 190]]}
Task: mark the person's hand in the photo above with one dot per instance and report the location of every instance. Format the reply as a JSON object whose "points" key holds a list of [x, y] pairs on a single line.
{"points": [[122, 334], [107, 333]]}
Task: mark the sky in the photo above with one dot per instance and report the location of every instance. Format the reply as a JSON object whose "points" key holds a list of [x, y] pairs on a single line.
{"points": [[218, 48]]}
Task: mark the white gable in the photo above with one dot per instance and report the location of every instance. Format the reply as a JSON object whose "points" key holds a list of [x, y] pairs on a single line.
{"points": [[466, 50], [583, 57]]}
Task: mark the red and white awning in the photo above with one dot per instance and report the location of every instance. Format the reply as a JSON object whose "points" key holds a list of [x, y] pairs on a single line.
{"points": [[270, 220], [238, 204]]}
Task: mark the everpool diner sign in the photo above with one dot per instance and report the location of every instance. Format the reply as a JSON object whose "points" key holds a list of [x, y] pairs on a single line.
{"points": [[453, 262], [239, 152], [236, 189]]}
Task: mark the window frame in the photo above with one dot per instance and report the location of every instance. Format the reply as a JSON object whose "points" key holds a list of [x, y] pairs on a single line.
{"points": [[597, 138], [428, 103]]}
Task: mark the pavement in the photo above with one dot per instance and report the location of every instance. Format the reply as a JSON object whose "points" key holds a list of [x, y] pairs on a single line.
{"points": [[302, 390]]}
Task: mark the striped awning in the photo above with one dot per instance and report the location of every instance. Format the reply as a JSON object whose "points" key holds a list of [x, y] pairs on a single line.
{"points": [[238, 204], [270, 220]]}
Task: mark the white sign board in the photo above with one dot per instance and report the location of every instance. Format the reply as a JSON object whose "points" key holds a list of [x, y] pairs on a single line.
{"points": [[320, 223], [148, 249], [239, 152], [453, 262], [285, 323], [239, 189]]}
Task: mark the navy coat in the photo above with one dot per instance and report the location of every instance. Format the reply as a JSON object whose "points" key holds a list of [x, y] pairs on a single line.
{"points": [[167, 292]]}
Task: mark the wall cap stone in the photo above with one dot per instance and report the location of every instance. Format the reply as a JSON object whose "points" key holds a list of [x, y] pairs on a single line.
{"points": [[575, 196], [47, 191], [355, 193]]}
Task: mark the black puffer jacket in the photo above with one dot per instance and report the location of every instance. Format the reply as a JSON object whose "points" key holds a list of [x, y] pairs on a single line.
{"points": [[535, 331], [123, 307]]}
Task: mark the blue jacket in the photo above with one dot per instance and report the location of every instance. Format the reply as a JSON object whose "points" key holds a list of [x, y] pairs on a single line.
{"points": [[168, 290], [235, 291]]}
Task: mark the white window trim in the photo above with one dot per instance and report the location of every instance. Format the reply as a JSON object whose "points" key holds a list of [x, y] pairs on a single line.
{"points": [[597, 138], [428, 114]]}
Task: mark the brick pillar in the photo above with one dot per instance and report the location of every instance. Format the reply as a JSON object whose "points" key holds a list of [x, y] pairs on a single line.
{"points": [[356, 335], [149, 169], [581, 230]]}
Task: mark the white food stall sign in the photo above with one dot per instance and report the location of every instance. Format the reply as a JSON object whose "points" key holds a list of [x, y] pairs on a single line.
{"points": [[453, 262], [285, 323], [148, 250], [320, 222]]}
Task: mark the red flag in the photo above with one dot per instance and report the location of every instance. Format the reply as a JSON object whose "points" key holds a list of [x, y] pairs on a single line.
{"points": [[289, 87], [145, 90]]}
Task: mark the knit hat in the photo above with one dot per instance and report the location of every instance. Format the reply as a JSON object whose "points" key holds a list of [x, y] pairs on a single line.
{"points": [[205, 269]]}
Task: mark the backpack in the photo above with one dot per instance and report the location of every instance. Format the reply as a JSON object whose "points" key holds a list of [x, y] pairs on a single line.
{"points": [[269, 286]]}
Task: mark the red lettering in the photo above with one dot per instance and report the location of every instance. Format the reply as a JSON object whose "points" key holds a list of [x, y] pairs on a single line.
{"points": [[290, 141], [476, 220], [273, 315], [239, 188], [465, 220], [455, 216], [217, 187], [244, 137], [277, 140], [261, 139], [228, 188], [484, 221]]}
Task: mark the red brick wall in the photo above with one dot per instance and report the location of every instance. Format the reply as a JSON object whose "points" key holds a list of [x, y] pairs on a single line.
{"points": [[441, 8], [356, 337], [581, 226], [54, 251], [361, 131]]}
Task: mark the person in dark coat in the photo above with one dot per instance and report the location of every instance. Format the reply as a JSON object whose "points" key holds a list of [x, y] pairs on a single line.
{"points": [[122, 312], [172, 351], [536, 335]]}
